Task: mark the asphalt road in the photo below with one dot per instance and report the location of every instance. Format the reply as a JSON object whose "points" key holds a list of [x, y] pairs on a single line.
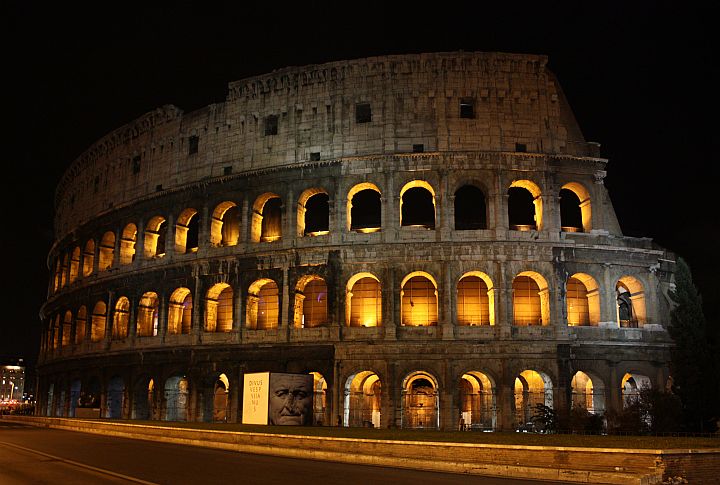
{"points": [[30, 455]]}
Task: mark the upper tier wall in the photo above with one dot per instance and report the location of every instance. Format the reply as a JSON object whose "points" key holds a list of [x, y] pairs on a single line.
{"points": [[414, 99]]}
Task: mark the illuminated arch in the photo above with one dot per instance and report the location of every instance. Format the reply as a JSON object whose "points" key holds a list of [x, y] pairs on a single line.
{"points": [[66, 329], [362, 400], [155, 236], [147, 315], [180, 312], [266, 225], [475, 299], [219, 308], [477, 401], [187, 231], [531, 388], [631, 386], [537, 208], [364, 214], [98, 320], [420, 403], [80, 325], [313, 213], [127, 244], [426, 215], [630, 293], [221, 392], [584, 206], [107, 251], [582, 297], [121, 319], [531, 299], [363, 301], [74, 264], [263, 305], [88, 257], [64, 270], [225, 224], [311, 302], [419, 300], [588, 392], [319, 399]]}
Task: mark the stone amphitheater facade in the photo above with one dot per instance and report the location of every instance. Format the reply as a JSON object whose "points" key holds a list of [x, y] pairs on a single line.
{"points": [[429, 235]]}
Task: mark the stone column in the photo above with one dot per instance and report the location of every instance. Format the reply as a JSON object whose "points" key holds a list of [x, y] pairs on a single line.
{"points": [[388, 292], [109, 312], [608, 303], [140, 242], [285, 318], [445, 300]]}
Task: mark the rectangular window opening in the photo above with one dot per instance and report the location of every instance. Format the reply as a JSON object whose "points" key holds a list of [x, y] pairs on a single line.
{"points": [[193, 142], [314, 156], [418, 148], [271, 125], [136, 164], [467, 108], [363, 113], [227, 170], [520, 147]]}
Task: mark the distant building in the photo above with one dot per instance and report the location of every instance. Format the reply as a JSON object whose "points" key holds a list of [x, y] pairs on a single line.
{"points": [[12, 381]]}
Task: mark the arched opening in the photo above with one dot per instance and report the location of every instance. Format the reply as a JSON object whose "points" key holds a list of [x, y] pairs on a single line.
{"points": [[311, 298], [319, 399], [417, 205], [419, 302], [99, 316], [88, 257], [74, 264], [361, 406], [147, 317], [531, 300], [180, 312], [532, 389], [221, 391], [64, 270], [66, 328], [470, 211], [225, 225], [477, 402], [121, 319], [143, 399], [219, 308], [575, 208], [364, 208], [176, 398], [313, 213], [266, 219], [75, 388], [583, 300], [80, 325], [90, 396], [524, 206], [56, 332], [363, 300], [420, 403], [56, 275], [632, 385], [187, 232], [127, 244], [630, 296], [155, 236], [263, 305], [588, 393], [475, 299], [107, 251], [115, 398]]}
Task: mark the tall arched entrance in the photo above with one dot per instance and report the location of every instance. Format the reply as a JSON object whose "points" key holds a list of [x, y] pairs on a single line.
{"points": [[532, 388], [477, 401], [362, 400], [420, 403], [176, 398], [115, 398]]}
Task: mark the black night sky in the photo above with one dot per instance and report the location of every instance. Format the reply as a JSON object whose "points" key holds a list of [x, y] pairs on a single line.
{"points": [[641, 77]]}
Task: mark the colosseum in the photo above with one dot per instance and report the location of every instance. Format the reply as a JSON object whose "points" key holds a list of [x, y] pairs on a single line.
{"points": [[428, 235]]}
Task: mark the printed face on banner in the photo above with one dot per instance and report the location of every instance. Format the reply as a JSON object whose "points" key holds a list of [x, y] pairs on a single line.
{"points": [[291, 399]]}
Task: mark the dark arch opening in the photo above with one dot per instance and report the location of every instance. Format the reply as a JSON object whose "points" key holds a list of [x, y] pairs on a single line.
{"points": [[366, 210], [418, 208], [469, 208], [162, 234], [317, 214], [193, 234], [570, 212], [521, 209]]}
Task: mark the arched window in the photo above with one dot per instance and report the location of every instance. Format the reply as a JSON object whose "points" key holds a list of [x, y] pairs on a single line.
{"points": [[364, 301], [531, 389], [219, 308], [583, 300], [477, 401], [575, 208], [80, 325], [470, 208], [88, 257], [99, 316], [121, 319], [417, 205], [475, 300], [263, 305], [531, 302], [225, 225], [127, 244], [107, 251], [155, 236], [187, 232], [364, 208], [311, 297], [66, 329], [56, 274], [588, 393], [313, 213], [56, 332], [74, 264], [180, 312], [362, 403], [267, 218], [524, 206], [419, 300], [147, 317], [64, 270], [630, 296]]}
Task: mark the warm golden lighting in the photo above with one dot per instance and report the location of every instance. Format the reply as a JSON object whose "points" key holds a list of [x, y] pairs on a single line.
{"points": [[537, 202], [180, 312], [97, 330], [630, 306], [367, 230], [225, 225], [419, 300], [585, 206], [219, 308], [311, 302], [263, 306], [121, 319], [475, 300], [364, 301], [266, 224], [531, 302], [147, 315], [318, 233]]}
